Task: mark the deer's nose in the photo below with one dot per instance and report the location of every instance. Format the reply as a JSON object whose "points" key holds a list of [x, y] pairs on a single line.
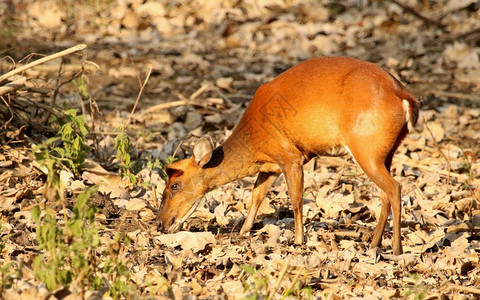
{"points": [[160, 223]]}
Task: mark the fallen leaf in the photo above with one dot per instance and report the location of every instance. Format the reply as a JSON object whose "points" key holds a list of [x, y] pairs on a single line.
{"points": [[135, 204], [435, 131], [108, 184], [224, 83], [195, 241]]}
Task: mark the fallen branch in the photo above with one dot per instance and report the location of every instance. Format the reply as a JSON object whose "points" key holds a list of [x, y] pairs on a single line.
{"points": [[212, 101], [88, 66], [28, 103], [466, 289], [2, 52], [203, 88], [456, 95], [43, 60], [418, 15], [5, 126], [37, 90], [13, 86], [165, 106], [224, 96]]}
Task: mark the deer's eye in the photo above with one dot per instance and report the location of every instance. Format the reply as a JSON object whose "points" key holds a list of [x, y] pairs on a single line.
{"points": [[175, 186]]}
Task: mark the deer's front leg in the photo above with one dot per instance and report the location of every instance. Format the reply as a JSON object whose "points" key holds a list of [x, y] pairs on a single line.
{"points": [[262, 185]]}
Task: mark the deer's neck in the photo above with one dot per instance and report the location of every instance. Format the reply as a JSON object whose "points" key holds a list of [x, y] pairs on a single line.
{"points": [[231, 161]]}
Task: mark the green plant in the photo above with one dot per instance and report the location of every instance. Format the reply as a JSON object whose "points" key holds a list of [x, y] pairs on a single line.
{"points": [[67, 148], [154, 164], [148, 136], [259, 285], [415, 289], [116, 269], [157, 164], [9, 270], [70, 250], [73, 135], [298, 291], [128, 168], [82, 88], [124, 147]]}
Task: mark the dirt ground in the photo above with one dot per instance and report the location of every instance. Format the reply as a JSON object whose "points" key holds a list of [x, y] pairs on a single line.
{"points": [[169, 72]]}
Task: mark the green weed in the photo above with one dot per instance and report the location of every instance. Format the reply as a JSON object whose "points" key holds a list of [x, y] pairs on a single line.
{"points": [[9, 270], [82, 88], [416, 289], [258, 285], [116, 269], [124, 147], [72, 252], [128, 168], [67, 148], [69, 250]]}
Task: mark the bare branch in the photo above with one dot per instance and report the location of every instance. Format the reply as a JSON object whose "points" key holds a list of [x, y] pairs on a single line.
{"points": [[13, 86], [43, 60], [418, 15]]}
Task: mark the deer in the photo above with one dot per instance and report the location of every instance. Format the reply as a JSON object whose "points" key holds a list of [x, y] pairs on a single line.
{"points": [[329, 105]]}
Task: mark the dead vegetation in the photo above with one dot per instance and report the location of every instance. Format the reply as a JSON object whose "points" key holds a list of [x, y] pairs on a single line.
{"points": [[190, 68]]}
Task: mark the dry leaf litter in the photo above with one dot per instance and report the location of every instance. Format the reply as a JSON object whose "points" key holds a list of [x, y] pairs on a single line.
{"points": [[207, 59]]}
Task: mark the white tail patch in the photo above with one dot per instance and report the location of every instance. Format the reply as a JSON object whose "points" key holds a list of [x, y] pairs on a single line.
{"points": [[408, 116]]}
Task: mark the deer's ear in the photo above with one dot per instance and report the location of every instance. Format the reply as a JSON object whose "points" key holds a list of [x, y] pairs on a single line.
{"points": [[173, 169], [202, 152]]}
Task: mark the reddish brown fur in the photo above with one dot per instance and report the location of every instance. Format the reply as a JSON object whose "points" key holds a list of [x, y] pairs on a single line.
{"points": [[318, 105]]}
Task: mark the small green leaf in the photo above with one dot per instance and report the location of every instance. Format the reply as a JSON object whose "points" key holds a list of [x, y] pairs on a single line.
{"points": [[248, 269], [132, 178], [35, 211]]}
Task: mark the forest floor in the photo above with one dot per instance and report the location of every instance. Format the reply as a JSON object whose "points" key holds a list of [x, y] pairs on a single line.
{"points": [[156, 76]]}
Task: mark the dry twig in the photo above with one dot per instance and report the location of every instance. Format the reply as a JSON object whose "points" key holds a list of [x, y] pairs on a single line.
{"points": [[419, 15], [43, 60], [168, 105], [139, 95], [13, 86], [461, 96], [10, 110], [53, 68], [466, 289]]}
